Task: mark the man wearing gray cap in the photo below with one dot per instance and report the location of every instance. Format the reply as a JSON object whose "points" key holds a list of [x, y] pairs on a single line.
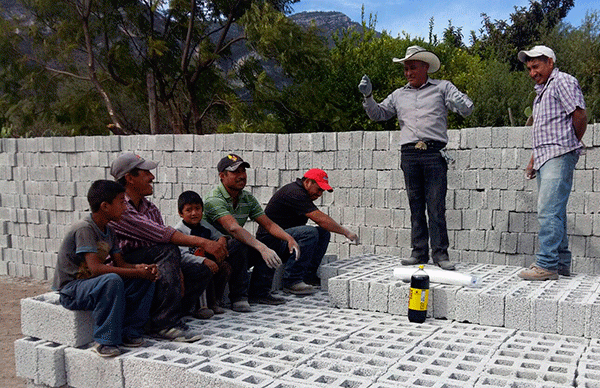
{"points": [[144, 238], [559, 123], [421, 107]]}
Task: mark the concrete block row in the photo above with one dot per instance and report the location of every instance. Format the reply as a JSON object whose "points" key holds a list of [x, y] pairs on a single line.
{"points": [[569, 306]]}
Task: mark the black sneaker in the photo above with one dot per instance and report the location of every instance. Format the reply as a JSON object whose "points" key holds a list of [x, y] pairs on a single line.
{"points": [[413, 261], [107, 350], [133, 342], [564, 271], [268, 299], [313, 281], [180, 333]]}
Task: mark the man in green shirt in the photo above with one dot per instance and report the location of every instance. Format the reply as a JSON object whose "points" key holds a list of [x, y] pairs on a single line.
{"points": [[227, 207]]}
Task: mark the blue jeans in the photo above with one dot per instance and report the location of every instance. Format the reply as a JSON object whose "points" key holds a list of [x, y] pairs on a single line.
{"points": [[313, 242], [120, 307], [172, 300], [555, 179], [426, 176]]}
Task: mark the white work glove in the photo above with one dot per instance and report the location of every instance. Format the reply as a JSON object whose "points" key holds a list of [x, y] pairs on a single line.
{"points": [[271, 258], [365, 86]]}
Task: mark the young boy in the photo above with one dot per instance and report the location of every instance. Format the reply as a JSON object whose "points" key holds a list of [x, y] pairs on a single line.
{"points": [[190, 208], [120, 294]]}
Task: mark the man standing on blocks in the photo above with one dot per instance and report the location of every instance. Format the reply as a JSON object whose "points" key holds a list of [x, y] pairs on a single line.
{"points": [[559, 123], [421, 107], [291, 207]]}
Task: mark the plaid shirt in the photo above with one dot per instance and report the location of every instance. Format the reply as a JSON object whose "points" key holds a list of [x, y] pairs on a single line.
{"points": [[553, 133], [141, 228]]}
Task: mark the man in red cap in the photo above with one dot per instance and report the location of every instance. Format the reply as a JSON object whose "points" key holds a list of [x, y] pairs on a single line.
{"points": [[291, 207]]}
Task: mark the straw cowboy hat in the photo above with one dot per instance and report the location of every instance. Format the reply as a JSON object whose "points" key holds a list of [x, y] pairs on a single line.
{"points": [[417, 53]]}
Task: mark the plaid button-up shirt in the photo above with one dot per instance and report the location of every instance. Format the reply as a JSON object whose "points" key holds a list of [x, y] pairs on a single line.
{"points": [[553, 133], [141, 227]]}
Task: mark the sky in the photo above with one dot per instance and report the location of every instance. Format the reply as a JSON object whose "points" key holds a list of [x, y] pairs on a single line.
{"points": [[412, 17]]}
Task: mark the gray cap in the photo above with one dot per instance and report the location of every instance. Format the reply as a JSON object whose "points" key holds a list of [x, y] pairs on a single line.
{"points": [[127, 162], [536, 51]]}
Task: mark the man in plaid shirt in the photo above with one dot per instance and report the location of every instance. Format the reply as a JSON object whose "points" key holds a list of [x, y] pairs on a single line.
{"points": [[559, 122]]}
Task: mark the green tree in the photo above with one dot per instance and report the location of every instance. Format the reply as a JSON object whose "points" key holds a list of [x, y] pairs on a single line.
{"points": [[502, 39]]}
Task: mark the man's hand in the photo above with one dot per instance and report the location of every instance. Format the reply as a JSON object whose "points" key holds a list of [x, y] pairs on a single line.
{"points": [[270, 257], [216, 248], [294, 248], [529, 171], [365, 86], [352, 237], [214, 268], [148, 271]]}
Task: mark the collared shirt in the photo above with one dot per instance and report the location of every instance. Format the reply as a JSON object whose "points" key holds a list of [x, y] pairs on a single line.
{"points": [[141, 227], [553, 133], [218, 203], [423, 112]]}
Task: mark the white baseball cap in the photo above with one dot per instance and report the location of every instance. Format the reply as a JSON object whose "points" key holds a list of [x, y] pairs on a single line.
{"points": [[536, 51]]}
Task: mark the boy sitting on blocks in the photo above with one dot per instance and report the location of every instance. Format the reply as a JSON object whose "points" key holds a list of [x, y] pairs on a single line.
{"points": [[191, 208], [118, 294]]}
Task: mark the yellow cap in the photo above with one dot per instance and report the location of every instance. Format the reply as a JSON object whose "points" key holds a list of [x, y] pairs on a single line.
{"points": [[421, 266]]}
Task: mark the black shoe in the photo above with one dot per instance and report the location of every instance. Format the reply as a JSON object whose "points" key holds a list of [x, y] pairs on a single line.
{"points": [[313, 281], [268, 299], [564, 271], [413, 261], [446, 264]]}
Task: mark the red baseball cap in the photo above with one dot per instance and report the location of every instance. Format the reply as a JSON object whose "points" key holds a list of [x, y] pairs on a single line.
{"points": [[320, 177]]}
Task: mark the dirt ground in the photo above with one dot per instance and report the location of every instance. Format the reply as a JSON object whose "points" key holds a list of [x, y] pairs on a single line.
{"points": [[12, 290]]}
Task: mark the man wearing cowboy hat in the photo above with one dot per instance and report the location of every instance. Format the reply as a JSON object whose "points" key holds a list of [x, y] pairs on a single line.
{"points": [[421, 107], [559, 123]]}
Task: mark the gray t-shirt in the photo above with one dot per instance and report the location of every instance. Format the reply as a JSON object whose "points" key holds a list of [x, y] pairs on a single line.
{"points": [[83, 237]]}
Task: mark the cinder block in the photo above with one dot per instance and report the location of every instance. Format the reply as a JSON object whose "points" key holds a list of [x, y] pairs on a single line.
{"points": [[218, 375], [26, 362], [42, 315], [151, 368], [85, 369], [51, 364], [572, 307]]}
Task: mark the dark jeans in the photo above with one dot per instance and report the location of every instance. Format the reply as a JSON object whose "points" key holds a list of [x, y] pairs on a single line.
{"points": [[120, 307], [425, 176], [239, 279], [313, 242], [170, 303]]}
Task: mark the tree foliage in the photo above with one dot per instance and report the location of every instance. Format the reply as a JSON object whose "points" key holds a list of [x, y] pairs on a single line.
{"points": [[151, 66]]}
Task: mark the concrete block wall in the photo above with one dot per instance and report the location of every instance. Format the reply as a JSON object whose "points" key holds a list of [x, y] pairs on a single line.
{"points": [[491, 208]]}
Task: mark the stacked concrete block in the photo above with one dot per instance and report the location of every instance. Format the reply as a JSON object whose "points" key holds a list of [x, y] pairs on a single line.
{"points": [[529, 357], [544, 307], [41, 315], [443, 358], [592, 315], [573, 304], [588, 368], [41, 362], [85, 369], [158, 368], [518, 301]]}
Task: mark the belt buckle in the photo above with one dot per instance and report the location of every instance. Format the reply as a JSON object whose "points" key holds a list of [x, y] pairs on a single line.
{"points": [[421, 145]]}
